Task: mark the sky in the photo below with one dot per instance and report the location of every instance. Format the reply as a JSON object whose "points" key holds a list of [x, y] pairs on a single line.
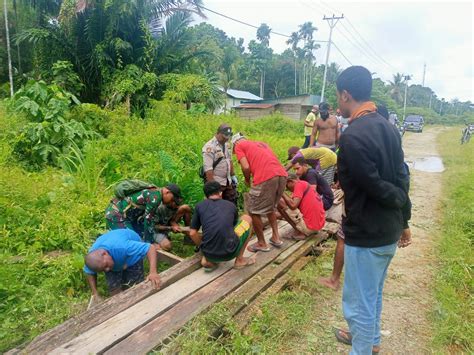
{"points": [[385, 36]]}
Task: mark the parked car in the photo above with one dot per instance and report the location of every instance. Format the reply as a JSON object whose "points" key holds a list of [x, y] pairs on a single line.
{"points": [[414, 123]]}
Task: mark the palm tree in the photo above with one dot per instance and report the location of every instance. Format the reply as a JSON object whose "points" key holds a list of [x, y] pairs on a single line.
{"points": [[396, 87], [263, 35], [293, 41], [7, 32]]}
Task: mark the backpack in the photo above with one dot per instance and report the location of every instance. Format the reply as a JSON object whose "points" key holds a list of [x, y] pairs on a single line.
{"points": [[202, 173], [127, 187]]}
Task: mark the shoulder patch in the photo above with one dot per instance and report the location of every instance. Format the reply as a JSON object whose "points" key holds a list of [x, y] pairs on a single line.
{"points": [[208, 149]]}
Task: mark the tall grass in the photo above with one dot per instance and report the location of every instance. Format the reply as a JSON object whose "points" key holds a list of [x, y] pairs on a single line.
{"points": [[454, 285]]}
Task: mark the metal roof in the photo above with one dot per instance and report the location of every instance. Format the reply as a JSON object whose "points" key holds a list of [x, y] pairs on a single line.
{"points": [[245, 95]]}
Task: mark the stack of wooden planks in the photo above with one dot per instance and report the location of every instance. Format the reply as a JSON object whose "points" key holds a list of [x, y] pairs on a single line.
{"points": [[139, 319]]}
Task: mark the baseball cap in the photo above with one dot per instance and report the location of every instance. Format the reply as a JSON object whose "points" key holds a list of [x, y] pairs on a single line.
{"points": [[292, 151], [176, 191], [236, 137], [225, 129]]}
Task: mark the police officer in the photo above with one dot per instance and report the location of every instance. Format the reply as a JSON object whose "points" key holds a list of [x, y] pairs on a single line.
{"points": [[217, 162]]}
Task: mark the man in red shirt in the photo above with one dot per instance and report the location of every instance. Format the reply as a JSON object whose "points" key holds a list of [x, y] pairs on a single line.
{"points": [[266, 177], [304, 210]]}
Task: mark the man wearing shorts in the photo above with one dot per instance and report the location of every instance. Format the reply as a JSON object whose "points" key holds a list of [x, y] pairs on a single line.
{"points": [[224, 237], [304, 209], [267, 177], [119, 253]]}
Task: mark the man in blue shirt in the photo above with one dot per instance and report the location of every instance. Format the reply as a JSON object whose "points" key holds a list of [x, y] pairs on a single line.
{"points": [[119, 253]]}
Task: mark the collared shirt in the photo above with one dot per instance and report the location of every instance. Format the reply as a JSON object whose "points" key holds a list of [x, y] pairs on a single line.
{"points": [[212, 151]]}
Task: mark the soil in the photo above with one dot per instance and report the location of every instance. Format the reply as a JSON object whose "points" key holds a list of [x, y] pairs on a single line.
{"points": [[408, 299]]}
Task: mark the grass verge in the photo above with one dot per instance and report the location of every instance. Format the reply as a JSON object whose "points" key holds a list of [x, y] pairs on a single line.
{"points": [[454, 309]]}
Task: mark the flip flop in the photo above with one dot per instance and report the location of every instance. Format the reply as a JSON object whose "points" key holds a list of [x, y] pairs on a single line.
{"points": [[250, 261], [275, 244], [254, 248], [347, 339], [210, 269]]}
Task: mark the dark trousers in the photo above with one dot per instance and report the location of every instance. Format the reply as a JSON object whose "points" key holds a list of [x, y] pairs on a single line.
{"points": [[230, 193], [306, 141], [124, 279]]}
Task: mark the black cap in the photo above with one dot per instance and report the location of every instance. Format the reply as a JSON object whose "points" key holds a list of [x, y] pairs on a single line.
{"points": [[225, 129], [176, 191]]}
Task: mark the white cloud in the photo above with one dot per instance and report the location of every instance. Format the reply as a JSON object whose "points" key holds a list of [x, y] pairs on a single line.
{"points": [[405, 34]]}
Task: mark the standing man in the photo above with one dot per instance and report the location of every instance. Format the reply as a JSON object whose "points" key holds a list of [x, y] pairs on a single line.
{"points": [[119, 253], [326, 129], [217, 163], [308, 125], [266, 177], [372, 175]]}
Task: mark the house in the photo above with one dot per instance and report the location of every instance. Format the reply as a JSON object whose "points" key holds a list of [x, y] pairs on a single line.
{"points": [[296, 107], [234, 98]]}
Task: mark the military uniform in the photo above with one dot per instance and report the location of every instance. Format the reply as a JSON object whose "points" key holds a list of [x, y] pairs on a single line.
{"points": [[211, 152], [136, 212]]}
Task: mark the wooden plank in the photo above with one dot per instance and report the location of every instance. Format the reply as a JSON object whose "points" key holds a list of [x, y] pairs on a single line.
{"points": [[149, 336], [288, 252], [244, 317], [168, 258], [112, 330], [109, 308]]}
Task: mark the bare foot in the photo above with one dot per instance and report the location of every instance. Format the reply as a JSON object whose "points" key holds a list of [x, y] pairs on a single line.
{"points": [[328, 282], [243, 262], [207, 264]]}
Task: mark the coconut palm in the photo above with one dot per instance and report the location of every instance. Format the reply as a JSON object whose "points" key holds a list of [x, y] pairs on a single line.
{"points": [[293, 41], [397, 87]]}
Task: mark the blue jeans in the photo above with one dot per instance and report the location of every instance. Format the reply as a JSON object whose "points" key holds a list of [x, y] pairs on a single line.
{"points": [[365, 270], [306, 142]]}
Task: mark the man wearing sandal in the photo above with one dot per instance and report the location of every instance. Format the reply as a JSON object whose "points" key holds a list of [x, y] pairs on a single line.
{"points": [[224, 237], [373, 177], [303, 209], [266, 178]]}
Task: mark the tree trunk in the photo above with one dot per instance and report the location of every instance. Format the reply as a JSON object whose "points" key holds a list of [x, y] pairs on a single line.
{"points": [[295, 74], [10, 69], [261, 82]]}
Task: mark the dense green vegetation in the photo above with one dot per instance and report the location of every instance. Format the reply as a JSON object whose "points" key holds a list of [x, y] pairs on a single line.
{"points": [[112, 52], [454, 311], [51, 215]]}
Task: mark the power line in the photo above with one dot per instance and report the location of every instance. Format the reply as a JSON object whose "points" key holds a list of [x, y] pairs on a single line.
{"points": [[334, 44], [358, 47], [367, 44], [242, 22]]}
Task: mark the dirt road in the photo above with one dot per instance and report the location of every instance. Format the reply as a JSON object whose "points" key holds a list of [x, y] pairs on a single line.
{"points": [[408, 298]]}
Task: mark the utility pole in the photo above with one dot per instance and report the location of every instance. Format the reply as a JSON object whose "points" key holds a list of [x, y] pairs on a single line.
{"points": [[332, 21], [441, 106], [407, 77], [424, 73], [431, 96], [10, 70]]}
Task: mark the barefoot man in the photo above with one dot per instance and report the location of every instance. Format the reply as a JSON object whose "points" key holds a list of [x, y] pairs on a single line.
{"points": [[224, 237]]}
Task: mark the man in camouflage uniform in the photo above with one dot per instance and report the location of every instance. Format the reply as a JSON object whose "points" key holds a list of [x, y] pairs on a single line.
{"points": [[139, 212], [217, 163]]}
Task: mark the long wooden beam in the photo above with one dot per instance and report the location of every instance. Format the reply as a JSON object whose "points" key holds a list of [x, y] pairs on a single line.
{"points": [[109, 308], [112, 330], [149, 336]]}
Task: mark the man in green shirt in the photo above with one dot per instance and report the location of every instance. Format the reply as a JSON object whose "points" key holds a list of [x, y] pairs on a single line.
{"points": [[141, 210], [308, 125]]}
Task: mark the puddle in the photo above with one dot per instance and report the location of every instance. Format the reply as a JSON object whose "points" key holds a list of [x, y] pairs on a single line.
{"points": [[427, 164]]}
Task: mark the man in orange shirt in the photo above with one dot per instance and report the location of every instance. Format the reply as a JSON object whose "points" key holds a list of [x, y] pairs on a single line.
{"points": [[266, 177]]}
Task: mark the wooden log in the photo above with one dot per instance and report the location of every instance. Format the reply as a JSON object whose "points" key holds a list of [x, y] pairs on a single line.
{"points": [[282, 257], [243, 318], [149, 336], [168, 258], [112, 330], [109, 308]]}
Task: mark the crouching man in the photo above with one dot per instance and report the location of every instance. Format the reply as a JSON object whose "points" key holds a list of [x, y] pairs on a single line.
{"points": [[303, 209], [223, 237], [119, 253]]}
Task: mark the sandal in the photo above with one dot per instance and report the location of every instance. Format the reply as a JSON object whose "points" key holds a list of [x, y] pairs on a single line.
{"points": [[250, 261], [343, 336], [210, 268], [254, 248], [275, 244]]}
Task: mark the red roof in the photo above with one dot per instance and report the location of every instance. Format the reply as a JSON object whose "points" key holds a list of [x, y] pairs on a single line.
{"points": [[259, 106]]}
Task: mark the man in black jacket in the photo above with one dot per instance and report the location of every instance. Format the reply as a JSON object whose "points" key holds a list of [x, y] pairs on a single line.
{"points": [[375, 183]]}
